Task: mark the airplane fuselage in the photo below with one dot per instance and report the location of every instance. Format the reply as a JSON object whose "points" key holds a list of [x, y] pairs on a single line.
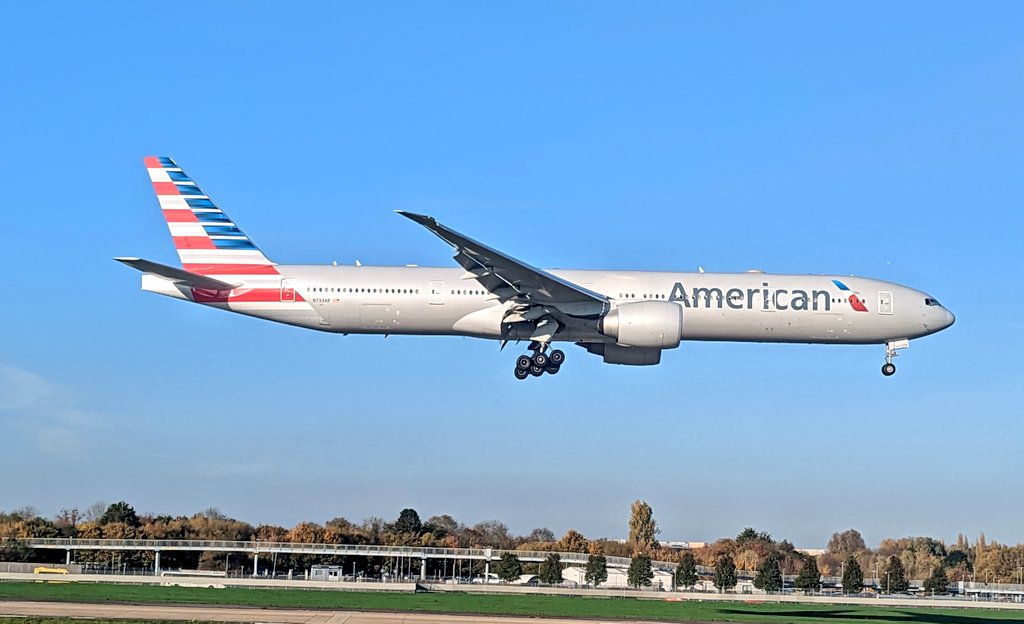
{"points": [[752, 306]]}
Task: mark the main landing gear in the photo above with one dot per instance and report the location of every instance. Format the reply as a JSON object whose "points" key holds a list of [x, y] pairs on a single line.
{"points": [[889, 369], [540, 362]]}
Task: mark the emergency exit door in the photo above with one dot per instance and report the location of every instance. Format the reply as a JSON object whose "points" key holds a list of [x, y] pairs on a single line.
{"points": [[288, 289], [437, 293]]}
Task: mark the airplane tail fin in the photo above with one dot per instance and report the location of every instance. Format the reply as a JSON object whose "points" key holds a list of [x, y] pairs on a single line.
{"points": [[208, 242]]}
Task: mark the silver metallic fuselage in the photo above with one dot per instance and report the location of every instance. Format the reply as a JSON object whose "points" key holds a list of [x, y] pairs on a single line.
{"points": [[752, 306]]}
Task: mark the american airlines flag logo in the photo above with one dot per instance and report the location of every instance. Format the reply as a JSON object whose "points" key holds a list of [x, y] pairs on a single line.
{"points": [[855, 301]]}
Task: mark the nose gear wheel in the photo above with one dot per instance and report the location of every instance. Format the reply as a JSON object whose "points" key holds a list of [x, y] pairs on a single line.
{"points": [[891, 348]]}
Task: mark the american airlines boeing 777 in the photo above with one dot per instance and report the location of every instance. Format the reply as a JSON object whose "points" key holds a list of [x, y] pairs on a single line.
{"points": [[626, 317]]}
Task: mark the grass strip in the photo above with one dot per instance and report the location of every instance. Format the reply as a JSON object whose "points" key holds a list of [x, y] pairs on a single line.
{"points": [[496, 604]]}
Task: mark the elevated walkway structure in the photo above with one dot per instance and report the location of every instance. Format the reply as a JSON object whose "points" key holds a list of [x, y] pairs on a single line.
{"points": [[257, 548]]}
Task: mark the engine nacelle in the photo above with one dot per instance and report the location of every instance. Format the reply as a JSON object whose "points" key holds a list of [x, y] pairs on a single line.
{"points": [[645, 324], [615, 354]]}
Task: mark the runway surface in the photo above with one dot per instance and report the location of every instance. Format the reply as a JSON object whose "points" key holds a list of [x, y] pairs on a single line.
{"points": [[249, 614]]}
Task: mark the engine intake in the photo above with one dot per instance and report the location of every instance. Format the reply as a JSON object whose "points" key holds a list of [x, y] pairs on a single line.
{"points": [[647, 324]]}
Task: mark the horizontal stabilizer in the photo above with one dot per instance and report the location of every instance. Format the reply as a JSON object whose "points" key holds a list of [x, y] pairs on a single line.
{"points": [[177, 275]]}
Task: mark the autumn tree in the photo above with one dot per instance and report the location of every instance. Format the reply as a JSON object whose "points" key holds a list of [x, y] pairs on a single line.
{"points": [[686, 571], [725, 573], [769, 576], [643, 530], [573, 541], [895, 576], [597, 570], [809, 578], [640, 573], [551, 570], [609, 548], [34, 527], [846, 543], [853, 576], [270, 533], [509, 568], [938, 582]]}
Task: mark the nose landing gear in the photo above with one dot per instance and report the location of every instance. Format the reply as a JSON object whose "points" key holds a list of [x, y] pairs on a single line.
{"points": [[891, 347], [540, 362]]}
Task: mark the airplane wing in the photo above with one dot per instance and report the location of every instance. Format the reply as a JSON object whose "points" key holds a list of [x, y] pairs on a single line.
{"points": [[177, 275], [510, 279]]}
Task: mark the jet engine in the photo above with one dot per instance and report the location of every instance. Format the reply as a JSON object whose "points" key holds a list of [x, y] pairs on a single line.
{"points": [[645, 324]]}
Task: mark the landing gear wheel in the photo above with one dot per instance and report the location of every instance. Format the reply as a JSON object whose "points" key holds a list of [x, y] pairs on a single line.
{"points": [[540, 360], [557, 357], [553, 370], [888, 369], [522, 373], [524, 362], [536, 371]]}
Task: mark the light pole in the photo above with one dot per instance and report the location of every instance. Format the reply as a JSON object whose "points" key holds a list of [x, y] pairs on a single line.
{"points": [[888, 582]]}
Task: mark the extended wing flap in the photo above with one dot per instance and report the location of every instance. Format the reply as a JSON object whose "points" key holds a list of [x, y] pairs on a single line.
{"points": [[176, 275]]}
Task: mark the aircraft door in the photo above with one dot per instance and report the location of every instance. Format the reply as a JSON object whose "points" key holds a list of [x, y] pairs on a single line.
{"points": [[437, 292], [288, 289], [884, 302]]}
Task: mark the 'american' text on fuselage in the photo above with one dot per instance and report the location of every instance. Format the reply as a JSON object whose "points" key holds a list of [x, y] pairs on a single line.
{"points": [[740, 299]]}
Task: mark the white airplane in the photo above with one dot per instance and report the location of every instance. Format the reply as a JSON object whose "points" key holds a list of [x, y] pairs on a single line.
{"points": [[626, 317]]}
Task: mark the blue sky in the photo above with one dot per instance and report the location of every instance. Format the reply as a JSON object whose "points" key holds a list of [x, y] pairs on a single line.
{"points": [[878, 139]]}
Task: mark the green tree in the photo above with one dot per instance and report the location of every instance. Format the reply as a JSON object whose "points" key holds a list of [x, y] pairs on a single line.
{"points": [[642, 528], [14, 550], [686, 571], [958, 558], [408, 522], [441, 526], [551, 570], [597, 570], [853, 576], [809, 578], [937, 583], [769, 575], [750, 535], [895, 576], [120, 512], [640, 573], [725, 573], [509, 568]]}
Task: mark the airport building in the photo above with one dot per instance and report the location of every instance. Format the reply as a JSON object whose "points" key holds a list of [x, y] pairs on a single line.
{"points": [[617, 578]]}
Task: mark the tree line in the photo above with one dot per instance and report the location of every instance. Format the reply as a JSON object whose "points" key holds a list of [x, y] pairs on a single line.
{"points": [[893, 562]]}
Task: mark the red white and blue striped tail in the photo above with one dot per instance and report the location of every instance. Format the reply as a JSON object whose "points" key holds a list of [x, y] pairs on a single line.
{"points": [[208, 242]]}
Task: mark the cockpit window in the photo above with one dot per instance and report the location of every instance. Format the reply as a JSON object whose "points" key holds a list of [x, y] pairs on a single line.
{"points": [[930, 302]]}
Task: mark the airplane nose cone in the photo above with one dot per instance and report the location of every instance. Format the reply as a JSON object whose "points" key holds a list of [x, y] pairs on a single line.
{"points": [[950, 319]]}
